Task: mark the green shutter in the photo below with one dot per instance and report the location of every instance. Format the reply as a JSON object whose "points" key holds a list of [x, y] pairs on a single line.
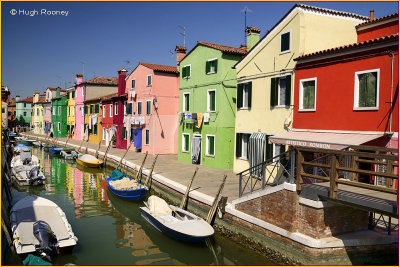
{"points": [[238, 145], [288, 90], [207, 67], [186, 142], [274, 92], [249, 94], [216, 65], [123, 133], [96, 108], [85, 110], [211, 144], [212, 100], [239, 98]]}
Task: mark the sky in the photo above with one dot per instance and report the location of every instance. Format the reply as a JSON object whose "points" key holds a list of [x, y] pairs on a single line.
{"points": [[40, 50]]}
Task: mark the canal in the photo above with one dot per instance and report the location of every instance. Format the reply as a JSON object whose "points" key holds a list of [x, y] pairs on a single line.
{"points": [[111, 231]]}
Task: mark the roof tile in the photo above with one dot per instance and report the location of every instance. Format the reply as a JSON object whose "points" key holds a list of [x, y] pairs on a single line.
{"points": [[102, 81], [162, 68], [376, 20], [225, 48]]}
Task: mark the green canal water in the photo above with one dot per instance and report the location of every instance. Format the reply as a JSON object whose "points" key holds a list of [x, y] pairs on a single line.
{"points": [[111, 231]]}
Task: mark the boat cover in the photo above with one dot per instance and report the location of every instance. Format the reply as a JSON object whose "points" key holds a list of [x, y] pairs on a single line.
{"points": [[158, 206], [87, 157], [116, 175], [32, 260]]}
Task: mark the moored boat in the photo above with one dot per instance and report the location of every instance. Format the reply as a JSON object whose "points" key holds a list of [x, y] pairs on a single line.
{"points": [[21, 147], [25, 169], [88, 161], [69, 153], [125, 186], [40, 226], [175, 222]]}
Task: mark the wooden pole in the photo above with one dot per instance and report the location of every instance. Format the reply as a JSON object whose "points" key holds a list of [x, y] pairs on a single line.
{"points": [[87, 144], [141, 166], [67, 141], [8, 236], [334, 176], [213, 209], [79, 149], [105, 155], [120, 162], [97, 151], [299, 180], [148, 180], [188, 189]]}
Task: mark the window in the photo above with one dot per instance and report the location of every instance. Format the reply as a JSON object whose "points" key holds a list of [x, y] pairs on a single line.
{"points": [[104, 133], [94, 129], [69, 111], [82, 92], [129, 108], [148, 80], [85, 110], [59, 110], [124, 107], [91, 109], [366, 89], [210, 145], [59, 126], [96, 108], [186, 102], [111, 110], [24, 105], [211, 66], [280, 91], [308, 94], [24, 113], [73, 111], [3, 110], [54, 110], [133, 83], [185, 142], [115, 108], [285, 42], [147, 141], [148, 107], [211, 98], [124, 133], [278, 149], [242, 140], [73, 94], [186, 72], [139, 108], [104, 111], [243, 100]]}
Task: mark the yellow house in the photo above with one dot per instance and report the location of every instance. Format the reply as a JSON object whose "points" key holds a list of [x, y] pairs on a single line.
{"points": [[93, 114], [266, 74], [71, 111]]}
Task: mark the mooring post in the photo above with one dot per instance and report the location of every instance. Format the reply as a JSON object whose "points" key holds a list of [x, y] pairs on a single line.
{"points": [[97, 151], [188, 189], [148, 180], [87, 144], [141, 166], [120, 162], [213, 209], [105, 155], [67, 141], [8, 236], [79, 149]]}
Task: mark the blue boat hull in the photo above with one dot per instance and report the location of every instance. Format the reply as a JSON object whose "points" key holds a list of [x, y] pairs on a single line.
{"points": [[168, 231], [136, 195]]}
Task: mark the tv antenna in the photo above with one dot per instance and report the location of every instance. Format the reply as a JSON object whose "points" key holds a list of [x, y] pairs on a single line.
{"points": [[183, 34], [245, 10], [83, 67]]}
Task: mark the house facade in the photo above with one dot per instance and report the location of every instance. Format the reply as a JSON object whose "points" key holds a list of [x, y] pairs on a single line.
{"points": [[71, 110], [266, 75], [93, 113], [107, 118], [37, 113], [151, 118], [96, 87], [207, 89], [59, 115], [12, 113], [24, 112]]}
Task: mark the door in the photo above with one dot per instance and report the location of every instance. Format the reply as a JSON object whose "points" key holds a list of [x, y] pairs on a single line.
{"points": [[196, 149], [137, 138]]}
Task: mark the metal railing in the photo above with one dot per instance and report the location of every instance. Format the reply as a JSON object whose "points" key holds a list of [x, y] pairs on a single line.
{"points": [[271, 172]]}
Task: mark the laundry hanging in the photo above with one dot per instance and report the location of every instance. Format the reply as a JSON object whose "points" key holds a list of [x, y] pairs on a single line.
{"points": [[206, 117], [257, 147], [94, 118], [194, 117], [90, 122], [196, 149], [199, 120]]}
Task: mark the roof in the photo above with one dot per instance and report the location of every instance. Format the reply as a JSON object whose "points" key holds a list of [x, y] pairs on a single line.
{"points": [[162, 68], [376, 20], [224, 48], [349, 46], [306, 7], [110, 96], [28, 99], [102, 81], [55, 89]]}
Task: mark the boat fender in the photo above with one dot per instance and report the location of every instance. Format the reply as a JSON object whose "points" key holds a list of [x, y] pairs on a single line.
{"points": [[47, 240]]}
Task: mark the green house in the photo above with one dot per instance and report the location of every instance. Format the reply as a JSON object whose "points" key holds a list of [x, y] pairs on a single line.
{"points": [[59, 115], [24, 112], [207, 105]]}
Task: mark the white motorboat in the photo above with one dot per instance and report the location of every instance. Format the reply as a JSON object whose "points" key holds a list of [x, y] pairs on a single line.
{"points": [[175, 222], [26, 170], [39, 225]]}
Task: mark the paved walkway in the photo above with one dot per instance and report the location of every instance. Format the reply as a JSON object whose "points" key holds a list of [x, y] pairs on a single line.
{"points": [[207, 180]]}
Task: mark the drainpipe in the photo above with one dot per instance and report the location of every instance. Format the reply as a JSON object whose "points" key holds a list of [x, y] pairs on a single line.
{"points": [[391, 93]]}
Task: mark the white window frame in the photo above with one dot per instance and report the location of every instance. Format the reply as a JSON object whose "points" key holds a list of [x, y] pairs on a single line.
{"points": [[145, 134], [301, 94], [210, 60], [54, 111], [59, 126], [104, 111], [208, 145], [82, 111], [73, 111], [357, 89], [183, 142], [281, 77], [245, 104], [103, 134], [59, 110], [147, 104], [209, 100], [244, 146], [290, 42], [184, 104], [141, 111], [147, 80], [115, 108], [83, 94], [111, 110], [190, 71], [133, 87], [125, 108]]}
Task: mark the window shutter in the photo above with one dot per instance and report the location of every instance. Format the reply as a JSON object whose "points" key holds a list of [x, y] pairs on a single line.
{"points": [[249, 94], [186, 142], [270, 149], [238, 145], [212, 100], [212, 142], [215, 65], [274, 92], [85, 110], [239, 98], [288, 90], [207, 67], [183, 72]]}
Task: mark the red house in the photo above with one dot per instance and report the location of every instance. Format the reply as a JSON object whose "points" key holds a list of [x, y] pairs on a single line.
{"points": [[349, 95]]}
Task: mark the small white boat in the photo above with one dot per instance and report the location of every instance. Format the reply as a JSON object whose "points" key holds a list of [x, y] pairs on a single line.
{"points": [[39, 225], [37, 143], [69, 153], [26, 170], [21, 147], [175, 222], [88, 160]]}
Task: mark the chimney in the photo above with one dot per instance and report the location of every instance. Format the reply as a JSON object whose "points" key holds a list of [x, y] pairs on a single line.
{"points": [[58, 92], [243, 47], [79, 78], [180, 53], [17, 98], [121, 81], [371, 15], [253, 36]]}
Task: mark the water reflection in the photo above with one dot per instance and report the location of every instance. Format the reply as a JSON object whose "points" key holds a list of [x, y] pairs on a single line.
{"points": [[111, 230]]}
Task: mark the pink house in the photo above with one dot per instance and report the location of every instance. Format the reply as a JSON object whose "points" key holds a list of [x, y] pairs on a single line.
{"points": [[152, 108], [79, 111]]}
